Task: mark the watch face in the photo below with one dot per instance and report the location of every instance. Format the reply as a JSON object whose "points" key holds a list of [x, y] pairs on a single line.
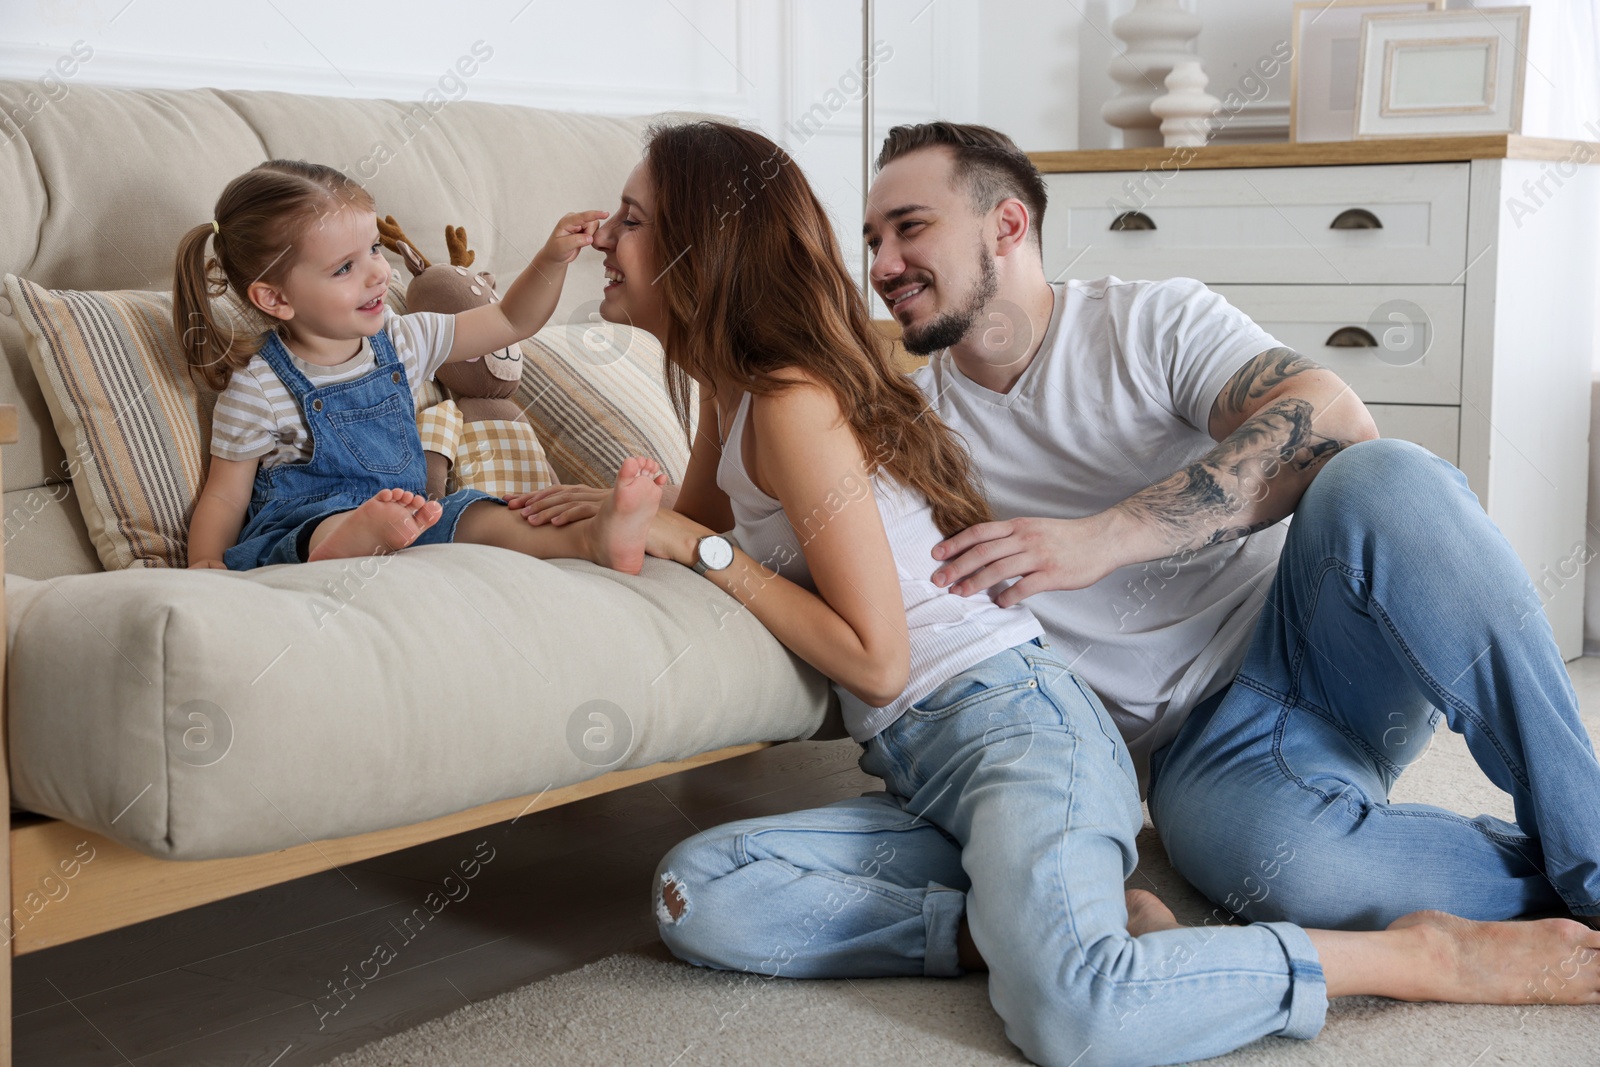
{"points": [[716, 553]]}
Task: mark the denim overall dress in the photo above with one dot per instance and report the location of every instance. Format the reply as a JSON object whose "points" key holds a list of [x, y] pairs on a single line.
{"points": [[363, 439]]}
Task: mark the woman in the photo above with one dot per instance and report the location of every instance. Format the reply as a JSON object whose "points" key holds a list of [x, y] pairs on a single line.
{"points": [[1009, 823]]}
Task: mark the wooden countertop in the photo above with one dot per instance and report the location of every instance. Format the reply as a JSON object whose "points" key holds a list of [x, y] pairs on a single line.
{"points": [[1319, 154]]}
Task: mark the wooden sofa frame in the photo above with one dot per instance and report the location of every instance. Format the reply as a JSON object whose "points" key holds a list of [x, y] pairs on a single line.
{"points": [[121, 886]]}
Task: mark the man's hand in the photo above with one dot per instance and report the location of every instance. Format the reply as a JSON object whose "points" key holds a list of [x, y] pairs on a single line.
{"points": [[1277, 421], [1043, 553]]}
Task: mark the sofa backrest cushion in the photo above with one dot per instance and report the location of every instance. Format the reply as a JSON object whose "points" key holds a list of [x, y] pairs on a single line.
{"points": [[102, 182]]}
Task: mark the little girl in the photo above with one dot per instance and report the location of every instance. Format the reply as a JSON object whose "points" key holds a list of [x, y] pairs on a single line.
{"points": [[315, 451]]}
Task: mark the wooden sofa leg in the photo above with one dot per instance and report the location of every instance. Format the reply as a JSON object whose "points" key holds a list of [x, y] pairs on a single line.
{"points": [[8, 435], [9, 954]]}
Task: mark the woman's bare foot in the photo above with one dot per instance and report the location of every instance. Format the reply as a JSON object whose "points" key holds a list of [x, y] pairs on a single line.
{"points": [[388, 522], [616, 535], [1146, 914], [1543, 961]]}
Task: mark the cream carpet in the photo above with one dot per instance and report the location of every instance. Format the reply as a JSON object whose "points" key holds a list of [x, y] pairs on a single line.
{"points": [[646, 1008]]}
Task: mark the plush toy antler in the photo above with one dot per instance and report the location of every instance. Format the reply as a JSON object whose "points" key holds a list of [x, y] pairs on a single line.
{"points": [[395, 240], [479, 436], [455, 239]]}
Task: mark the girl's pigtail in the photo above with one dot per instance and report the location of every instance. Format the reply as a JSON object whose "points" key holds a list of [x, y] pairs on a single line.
{"points": [[204, 347]]}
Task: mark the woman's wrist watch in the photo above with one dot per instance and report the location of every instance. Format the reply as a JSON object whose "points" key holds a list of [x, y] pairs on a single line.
{"points": [[714, 552]]}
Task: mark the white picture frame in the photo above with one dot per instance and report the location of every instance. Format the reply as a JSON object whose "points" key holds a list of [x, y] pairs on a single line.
{"points": [[1326, 37], [1442, 74]]}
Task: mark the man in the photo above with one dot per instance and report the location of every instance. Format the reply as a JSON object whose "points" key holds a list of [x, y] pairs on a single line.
{"points": [[1007, 826], [1144, 444]]}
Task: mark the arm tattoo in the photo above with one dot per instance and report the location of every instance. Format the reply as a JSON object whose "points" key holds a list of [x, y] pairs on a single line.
{"points": [[1259, 377], [1202, 502]]}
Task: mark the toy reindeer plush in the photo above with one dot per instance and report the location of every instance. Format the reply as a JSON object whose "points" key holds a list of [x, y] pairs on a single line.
{"points": [[477, 438]]}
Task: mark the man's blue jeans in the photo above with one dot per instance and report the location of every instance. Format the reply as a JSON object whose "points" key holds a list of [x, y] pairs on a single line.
{"points": [[1396, 602], [1012, 799]]}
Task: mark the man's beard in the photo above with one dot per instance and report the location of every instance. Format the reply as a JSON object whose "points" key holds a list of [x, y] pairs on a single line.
{"points": [[947, 329]]}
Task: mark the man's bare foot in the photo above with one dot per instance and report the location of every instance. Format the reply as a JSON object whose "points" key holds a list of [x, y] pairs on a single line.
{"points": [[388, 522], [1543, 961], [1146, 914], [616, 535]]}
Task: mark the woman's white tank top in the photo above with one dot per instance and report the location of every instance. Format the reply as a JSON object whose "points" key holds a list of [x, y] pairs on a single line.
{"points": [[949, 633]]}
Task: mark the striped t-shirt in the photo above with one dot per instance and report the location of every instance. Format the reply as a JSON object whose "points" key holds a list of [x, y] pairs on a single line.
{"points": [[256, 415]]}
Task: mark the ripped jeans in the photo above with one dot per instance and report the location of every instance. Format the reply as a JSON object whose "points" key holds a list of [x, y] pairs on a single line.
{"points": [[1011, 801]]}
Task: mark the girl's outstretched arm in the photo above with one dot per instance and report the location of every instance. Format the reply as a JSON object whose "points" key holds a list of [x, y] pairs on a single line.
{"points": [[220, 511], [531, 299]]}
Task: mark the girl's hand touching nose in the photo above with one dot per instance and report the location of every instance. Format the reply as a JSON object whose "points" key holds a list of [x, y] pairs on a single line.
{"points": [[572, 234]]}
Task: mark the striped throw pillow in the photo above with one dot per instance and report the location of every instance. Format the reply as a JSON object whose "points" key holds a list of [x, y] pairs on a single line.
{"points": [[596, 395], [133, 425]]}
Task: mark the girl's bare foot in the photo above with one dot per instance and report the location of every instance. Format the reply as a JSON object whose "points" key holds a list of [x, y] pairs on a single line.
{"points": [[1146, 913], [388, 522], [616, 535], [1544, 961]]}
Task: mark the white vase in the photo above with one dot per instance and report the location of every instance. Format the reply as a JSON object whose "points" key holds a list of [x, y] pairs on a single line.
{"points": [[1186, 111], [1158, 34]]}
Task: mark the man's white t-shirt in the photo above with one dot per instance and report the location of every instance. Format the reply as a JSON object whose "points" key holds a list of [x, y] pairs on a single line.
{"points": [[1118, 398]]}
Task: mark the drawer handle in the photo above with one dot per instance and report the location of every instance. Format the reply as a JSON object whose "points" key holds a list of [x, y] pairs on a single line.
{"points": [[1356, 218], [1133, 220], [1351, 337]]}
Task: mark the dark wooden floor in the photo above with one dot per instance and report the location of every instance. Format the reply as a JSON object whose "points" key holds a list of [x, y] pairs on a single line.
{"points": [[276, 978]]}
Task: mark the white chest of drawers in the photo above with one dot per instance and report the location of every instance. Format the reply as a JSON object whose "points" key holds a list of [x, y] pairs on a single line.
{"points": [[1453, 282]]}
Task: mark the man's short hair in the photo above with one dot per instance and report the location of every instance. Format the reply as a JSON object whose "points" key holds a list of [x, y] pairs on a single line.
{"points": [[989, 162]]}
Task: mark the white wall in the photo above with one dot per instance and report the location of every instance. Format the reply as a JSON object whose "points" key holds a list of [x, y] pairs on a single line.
{"points": [[1028, 64], [1235, 35], [790, 67], [1044, 67], [1561, 91], [545, 53], [1034, 68]]}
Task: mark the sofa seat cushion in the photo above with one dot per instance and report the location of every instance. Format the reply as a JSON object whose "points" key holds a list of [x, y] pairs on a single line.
{"points": [[203, 714]]}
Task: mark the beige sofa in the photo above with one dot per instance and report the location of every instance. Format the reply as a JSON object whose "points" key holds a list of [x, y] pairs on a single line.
{"points": [[457, 687]]}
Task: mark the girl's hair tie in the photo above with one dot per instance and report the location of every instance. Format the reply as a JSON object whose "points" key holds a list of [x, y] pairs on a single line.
{"points": [[215, 228]]}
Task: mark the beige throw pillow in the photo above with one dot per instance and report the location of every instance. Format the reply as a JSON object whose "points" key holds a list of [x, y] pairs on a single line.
{"points": [[596, 395]]}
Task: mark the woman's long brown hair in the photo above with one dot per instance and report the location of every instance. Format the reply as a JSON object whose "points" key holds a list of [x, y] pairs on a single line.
{"points": [[754, 283]]}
